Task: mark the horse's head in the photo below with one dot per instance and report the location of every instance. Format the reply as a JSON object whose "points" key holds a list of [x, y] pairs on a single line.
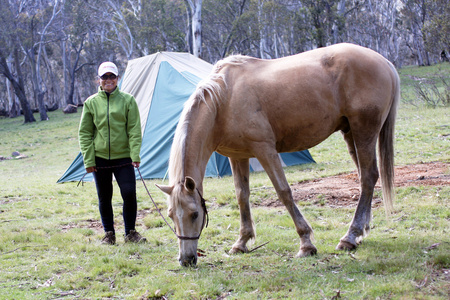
{"points": [[186, 208]]}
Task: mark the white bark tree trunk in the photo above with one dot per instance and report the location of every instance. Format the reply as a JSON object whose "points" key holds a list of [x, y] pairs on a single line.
{"points": [[196, 11]]}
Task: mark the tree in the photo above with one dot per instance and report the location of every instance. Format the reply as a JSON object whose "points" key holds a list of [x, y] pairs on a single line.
{"points": [[437, 29], [79, 19], [123, 32], [374, 24], [196, 15], [416, 13], [38, 25], [158, 25], [323, 15], [18, 85], [231, 28], [275, 19], [9, 49], [339, 22]]}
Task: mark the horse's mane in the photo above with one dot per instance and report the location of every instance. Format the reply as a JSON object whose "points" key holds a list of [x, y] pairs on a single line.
{"points": [[213, 86], [230, 60]]}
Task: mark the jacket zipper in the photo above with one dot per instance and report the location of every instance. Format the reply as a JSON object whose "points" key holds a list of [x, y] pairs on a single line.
{"points": [[109, 128]]}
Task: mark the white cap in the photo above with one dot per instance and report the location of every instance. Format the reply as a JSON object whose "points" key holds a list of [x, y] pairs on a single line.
{"points": [[107, 67]]}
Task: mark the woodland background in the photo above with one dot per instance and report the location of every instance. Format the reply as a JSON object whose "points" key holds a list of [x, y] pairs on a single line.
{"points": [[50, 49]]}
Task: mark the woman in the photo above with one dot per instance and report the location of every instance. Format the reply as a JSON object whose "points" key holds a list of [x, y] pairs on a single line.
{"points": [[110, 141]]}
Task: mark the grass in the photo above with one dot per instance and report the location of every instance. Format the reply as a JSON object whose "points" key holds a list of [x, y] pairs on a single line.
{"points": [[49, 233]]}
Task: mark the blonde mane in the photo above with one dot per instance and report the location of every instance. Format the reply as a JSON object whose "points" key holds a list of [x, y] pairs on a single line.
{"points": [[213, 86], [230, 60]]}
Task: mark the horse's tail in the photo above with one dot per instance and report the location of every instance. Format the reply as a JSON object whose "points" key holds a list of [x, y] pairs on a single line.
{"points": [[386, 146]]}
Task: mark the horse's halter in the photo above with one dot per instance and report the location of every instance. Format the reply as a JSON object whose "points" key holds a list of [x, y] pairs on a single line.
{"points": [[205, 217], [203, 203]]}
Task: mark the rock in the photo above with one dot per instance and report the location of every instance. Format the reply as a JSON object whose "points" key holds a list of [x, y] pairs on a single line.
{"points": [[70, 109]]}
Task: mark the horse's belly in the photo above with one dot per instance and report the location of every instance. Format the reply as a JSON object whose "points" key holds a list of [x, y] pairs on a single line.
{"points": [[244, 144], [302, 140], [300, 130]]}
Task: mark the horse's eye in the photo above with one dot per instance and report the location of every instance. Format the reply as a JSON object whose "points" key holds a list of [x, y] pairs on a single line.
{"points": [[170, 214], [194, 216]]}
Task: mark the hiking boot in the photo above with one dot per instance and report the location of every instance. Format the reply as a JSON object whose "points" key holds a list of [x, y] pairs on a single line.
{"points": [[134, 237], [109, 238]]}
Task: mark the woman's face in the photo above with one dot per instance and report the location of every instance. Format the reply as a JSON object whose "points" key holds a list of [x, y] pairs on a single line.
{"points": [[108, 82]]}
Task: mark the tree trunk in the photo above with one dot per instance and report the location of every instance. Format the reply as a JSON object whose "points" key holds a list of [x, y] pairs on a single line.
{"points": [[337, 21], [14, 109], [66, 68], [19, 89], [126, 44], [42, 106], [196, 10], [263, 47], [18, 86], [54, 96], [72, 71], [38, 91]]}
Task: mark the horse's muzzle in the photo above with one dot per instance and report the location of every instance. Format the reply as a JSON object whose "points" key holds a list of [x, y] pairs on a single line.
{"points": [[188, 261]]}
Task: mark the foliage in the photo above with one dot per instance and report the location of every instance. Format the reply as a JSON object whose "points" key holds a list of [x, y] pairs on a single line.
{"points": [[431, 95], [427, 85], [51, 49], [437, 29], [49, 233]]}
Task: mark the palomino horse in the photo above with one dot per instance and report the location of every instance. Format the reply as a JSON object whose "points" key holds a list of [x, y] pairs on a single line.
{"points": [[251, 107]]}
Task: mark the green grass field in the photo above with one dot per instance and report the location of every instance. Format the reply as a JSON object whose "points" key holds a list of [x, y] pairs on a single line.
{"points": [[49, 233]]}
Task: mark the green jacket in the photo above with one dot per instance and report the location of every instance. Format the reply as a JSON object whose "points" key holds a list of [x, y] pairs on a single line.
{"points": [[110, 127]]}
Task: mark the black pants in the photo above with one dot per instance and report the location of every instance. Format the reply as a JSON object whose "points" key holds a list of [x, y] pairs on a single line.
{"points": [[124, 173]]}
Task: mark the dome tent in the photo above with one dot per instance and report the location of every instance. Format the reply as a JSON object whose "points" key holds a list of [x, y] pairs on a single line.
{"points": [[162, 83]]}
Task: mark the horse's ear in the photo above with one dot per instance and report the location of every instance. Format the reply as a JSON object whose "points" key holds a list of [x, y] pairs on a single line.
{"points": [[189, 184], [165, 188]]}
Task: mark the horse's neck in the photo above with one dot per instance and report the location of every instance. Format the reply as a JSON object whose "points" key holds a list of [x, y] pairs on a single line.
{"points": [[199, 141]]}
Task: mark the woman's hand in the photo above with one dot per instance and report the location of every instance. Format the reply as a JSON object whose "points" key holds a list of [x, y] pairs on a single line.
{"points": [[91, 169]]}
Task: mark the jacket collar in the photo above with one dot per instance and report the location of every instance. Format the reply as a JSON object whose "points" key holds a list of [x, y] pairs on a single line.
{"points": [[103, 93]]}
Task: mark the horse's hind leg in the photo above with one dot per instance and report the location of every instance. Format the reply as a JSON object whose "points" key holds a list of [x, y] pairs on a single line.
{"points": [[364, 155], [241, 172], [272, 165], [348, 137]]}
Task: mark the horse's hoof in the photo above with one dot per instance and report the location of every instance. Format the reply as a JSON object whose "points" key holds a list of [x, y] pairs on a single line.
{"points": [[346, 246], [235, 250], [307, 251]]}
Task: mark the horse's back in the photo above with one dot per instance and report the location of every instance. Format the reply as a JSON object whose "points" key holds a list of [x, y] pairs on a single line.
{"points": [[328, 65]]}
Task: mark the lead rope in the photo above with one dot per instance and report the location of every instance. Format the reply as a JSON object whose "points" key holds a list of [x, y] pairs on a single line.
{"points": [[203, 203], [154, 203], [112, 167]]}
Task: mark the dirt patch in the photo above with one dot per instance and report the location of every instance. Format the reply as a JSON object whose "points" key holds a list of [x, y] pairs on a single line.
{"points": [[343, 190], [93, 224]]}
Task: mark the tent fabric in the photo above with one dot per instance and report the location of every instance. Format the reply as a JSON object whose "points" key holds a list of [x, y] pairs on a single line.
{"points": [[162, 83]]}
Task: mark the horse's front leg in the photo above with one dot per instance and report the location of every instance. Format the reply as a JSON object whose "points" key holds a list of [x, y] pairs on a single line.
{"points": [[241, 172], [270, 161]]}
